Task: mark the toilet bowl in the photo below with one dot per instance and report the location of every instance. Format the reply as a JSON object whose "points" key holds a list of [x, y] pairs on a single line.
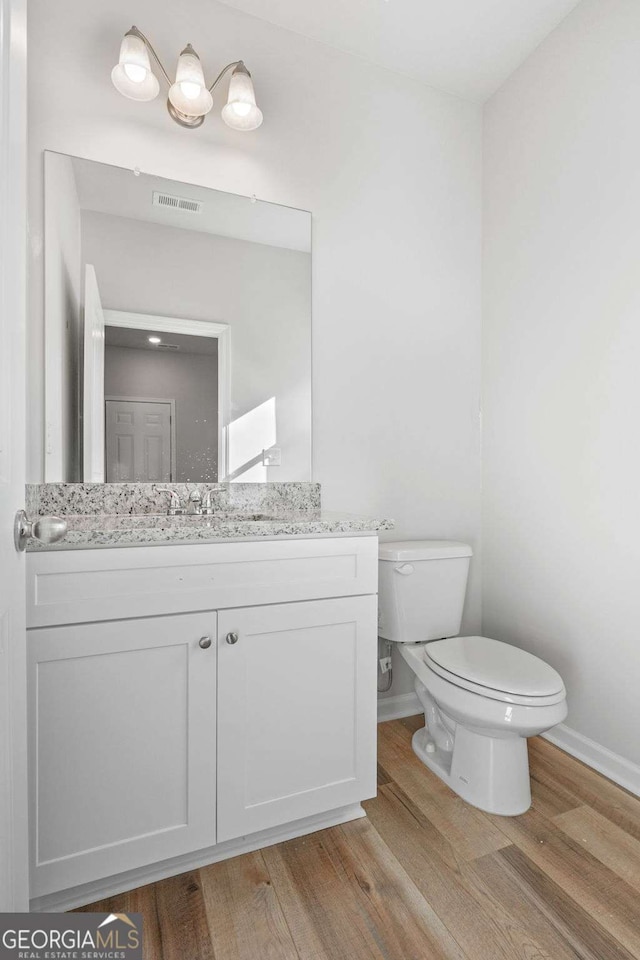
{"points": [[474, 736], [481, 697]]}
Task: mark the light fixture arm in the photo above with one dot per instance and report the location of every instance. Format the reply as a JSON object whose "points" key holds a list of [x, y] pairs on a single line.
{"points": [[229, 66], [138, 33]]}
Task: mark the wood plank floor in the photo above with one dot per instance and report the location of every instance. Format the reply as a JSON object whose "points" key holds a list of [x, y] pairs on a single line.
{"points": [[425, 877]]}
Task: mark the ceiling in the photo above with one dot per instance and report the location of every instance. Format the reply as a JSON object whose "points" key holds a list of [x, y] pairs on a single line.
{"points": [[107, 189], [173, 342], [465, 47]]}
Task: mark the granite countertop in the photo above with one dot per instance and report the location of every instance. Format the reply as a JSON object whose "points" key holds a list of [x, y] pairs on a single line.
{"points": [[89, 531]]}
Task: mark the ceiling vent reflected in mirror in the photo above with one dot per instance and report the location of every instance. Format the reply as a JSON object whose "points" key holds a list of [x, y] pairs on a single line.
{"points": [[170, 202]]}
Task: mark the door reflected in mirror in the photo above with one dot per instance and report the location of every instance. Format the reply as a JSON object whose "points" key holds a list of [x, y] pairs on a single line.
{"points": [[178, 331]]}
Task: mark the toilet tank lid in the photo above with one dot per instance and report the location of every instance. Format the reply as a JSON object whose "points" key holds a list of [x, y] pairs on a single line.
{"points": [[424, 550]]}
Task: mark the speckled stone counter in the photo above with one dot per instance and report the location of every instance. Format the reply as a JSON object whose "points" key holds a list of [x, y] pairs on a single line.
{"points": [[119, 515], [87, 532]]}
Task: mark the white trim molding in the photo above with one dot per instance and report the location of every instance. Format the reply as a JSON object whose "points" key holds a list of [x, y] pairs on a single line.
{"points": [[14, 876], [149, 321], [622, 771], [395, 708]]}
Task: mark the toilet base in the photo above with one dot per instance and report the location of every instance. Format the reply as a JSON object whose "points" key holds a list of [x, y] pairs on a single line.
{"points": [[490, 773]]}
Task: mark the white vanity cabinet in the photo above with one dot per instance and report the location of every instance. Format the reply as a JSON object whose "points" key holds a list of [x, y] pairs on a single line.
{"points": [[185, 699]]}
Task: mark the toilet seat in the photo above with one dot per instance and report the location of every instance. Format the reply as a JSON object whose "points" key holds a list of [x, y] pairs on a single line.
{"points": [[495, 670]]}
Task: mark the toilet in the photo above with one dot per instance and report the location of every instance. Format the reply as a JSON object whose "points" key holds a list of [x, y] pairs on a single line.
{"points": [[481, 697]]}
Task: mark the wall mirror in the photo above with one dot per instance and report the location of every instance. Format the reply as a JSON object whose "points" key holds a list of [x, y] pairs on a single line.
{"points": [[177, 331]]}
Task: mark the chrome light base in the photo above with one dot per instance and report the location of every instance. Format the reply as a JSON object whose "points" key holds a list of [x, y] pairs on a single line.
{"points": [[183, 119]]}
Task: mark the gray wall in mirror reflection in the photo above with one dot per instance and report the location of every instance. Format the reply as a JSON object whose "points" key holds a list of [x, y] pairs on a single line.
{"points": [[262, 291]]}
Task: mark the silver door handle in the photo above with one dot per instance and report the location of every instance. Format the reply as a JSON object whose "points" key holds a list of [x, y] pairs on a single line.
{"points": [[232, 638], [44, 529], [205, 642]]}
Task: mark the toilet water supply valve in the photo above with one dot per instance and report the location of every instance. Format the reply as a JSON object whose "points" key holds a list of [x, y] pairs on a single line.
{"points": [[384, 665]]}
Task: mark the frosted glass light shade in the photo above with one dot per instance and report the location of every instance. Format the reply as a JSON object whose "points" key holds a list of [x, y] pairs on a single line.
{"points": [[189, 93], [240, 111], [132, 75]]}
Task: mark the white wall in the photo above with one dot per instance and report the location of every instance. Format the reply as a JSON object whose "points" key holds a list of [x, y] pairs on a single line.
{"points": [[561, 532], [392, 173], [262, 292], [64, 325]]}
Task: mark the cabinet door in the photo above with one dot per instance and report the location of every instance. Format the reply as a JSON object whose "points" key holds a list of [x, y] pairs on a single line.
{"points": [[296, 711], [123, 739]]}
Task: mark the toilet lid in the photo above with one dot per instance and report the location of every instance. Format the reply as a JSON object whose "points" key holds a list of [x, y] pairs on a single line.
{"points": [[495, 665]]}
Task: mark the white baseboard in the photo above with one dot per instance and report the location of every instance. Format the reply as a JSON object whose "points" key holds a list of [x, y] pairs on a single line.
{"points": [[111, 886], [394, 708], [605, 761]]}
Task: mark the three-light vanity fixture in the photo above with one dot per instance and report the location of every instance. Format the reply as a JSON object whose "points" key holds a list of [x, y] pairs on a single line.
{"points": [[189, 99]]}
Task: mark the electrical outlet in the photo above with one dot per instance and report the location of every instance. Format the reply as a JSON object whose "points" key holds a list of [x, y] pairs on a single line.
{"points": [[272, 457]]}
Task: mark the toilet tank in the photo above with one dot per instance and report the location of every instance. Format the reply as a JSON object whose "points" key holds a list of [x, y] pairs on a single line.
{"points": [[421, 589]]}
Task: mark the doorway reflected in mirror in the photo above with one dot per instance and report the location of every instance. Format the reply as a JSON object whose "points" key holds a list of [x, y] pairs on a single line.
{"points": [[161, 407]]}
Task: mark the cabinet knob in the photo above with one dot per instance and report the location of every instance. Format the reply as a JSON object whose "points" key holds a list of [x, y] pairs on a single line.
{"points": [[205, 642], [232, 638]]}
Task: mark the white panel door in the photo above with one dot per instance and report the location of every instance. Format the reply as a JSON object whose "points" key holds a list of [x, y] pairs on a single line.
{"points": [[138, 441], [122, 745], [13, 245], [296, 711], [93, 403]]}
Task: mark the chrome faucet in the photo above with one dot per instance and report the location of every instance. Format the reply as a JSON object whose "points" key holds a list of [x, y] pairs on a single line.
{"points": [[175, 505], [196, 504], [200, 504]]}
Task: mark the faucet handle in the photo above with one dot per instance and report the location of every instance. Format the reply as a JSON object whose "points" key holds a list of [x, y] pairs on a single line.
{"points": [[175, 506], [195, 502], [206, 502]]}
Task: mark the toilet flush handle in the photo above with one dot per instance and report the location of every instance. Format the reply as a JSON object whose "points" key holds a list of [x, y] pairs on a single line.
{"points": [[405, 569]]}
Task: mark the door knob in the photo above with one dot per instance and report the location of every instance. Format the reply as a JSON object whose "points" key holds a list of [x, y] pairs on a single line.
{"points": [[44, 529], [232, 638], [205, 642]]}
